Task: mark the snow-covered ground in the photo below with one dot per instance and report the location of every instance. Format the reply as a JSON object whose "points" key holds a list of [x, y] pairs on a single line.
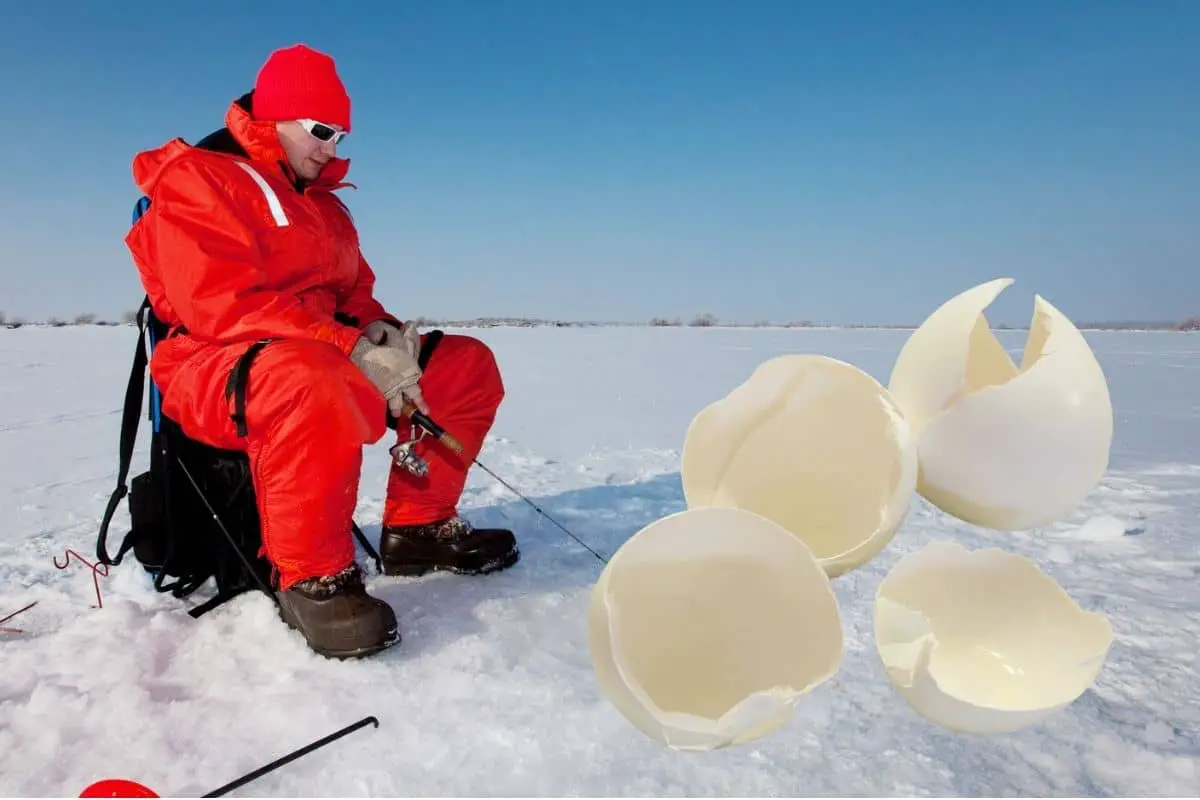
{"points": [[492, 690]]}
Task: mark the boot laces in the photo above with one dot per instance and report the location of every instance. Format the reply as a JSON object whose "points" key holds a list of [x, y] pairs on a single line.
{"points": [[448, 529], [327, 585]]}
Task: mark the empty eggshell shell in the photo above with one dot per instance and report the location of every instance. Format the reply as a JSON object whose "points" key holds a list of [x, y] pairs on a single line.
{"points": [[983, 641], [814, 444], [1001, 446], [708, 625]]}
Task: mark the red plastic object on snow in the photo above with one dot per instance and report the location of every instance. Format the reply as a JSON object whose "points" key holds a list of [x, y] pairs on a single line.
{"points": [[117, 787]]}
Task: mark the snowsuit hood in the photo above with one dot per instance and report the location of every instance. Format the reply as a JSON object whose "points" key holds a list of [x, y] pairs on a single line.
{"points": [[243, 136], [235, 247]]}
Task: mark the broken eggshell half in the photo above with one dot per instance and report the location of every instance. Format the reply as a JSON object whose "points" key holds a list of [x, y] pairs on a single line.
{"points": [[708, 626], [1003, 446], [816, 445], [983, 641]]}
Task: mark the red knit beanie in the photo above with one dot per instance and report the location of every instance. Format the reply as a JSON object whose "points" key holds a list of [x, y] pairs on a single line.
{"points": [[298, 82]]}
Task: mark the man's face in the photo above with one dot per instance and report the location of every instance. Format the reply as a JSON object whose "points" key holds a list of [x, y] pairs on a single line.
{"points": [[306, 152]]}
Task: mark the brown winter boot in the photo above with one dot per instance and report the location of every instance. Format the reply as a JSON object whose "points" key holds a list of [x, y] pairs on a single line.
{"points": [[450, 544], [337, 617]]}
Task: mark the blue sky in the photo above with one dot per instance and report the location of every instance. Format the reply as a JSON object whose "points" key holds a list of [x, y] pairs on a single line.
{"points": [[838, 161]]}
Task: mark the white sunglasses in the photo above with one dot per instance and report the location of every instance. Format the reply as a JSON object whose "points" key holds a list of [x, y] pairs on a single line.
{"points": [[322, 132]]}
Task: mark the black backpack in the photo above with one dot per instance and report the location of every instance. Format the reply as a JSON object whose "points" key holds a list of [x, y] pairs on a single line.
{"points": [[193, 512]]}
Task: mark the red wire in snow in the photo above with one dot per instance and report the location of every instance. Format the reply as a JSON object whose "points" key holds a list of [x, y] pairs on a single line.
{"points": [[13, 614], [97, 571]]}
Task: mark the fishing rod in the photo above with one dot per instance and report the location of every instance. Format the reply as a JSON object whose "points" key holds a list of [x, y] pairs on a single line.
{"points": [[403, 454]]}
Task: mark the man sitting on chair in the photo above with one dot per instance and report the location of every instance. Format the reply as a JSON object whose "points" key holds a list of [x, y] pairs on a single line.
{"points": [[244, 241]]}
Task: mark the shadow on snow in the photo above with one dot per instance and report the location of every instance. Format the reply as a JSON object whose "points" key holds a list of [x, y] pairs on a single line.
{"points": [[555, 571]]}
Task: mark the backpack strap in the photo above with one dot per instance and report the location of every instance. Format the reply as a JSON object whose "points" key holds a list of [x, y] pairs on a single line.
{"points": [[431, 342], [129, 425], [236, 384]]}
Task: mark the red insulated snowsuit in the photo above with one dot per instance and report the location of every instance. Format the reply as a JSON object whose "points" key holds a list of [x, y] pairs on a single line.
{"points": [[230, 252]]}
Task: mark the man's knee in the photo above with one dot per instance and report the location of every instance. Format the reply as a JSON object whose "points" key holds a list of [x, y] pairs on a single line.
{"points": [[472, 361]]}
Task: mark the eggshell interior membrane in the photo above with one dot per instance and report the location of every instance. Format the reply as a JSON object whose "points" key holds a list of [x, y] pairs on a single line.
{"points": [[707, 626], [983, 641], [814, 444], [1001, 446]]}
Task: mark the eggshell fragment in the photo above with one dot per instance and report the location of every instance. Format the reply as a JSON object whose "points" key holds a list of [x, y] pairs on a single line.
{"points": [[1003, 446], [983, 641], [708, 626], [814, 444]]}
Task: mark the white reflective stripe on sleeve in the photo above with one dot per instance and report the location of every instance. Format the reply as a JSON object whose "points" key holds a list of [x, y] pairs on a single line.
{"points": [[272, 199]]}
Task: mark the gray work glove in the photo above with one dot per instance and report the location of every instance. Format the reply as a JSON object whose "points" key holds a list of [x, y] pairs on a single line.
{"points": [[393, 370], [386, 334]]}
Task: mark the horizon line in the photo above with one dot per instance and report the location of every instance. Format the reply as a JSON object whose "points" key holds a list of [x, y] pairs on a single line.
{"points": [[701, 321]]}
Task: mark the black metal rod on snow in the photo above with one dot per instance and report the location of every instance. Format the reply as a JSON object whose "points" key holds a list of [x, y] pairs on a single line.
{"points": [[303, 751]]}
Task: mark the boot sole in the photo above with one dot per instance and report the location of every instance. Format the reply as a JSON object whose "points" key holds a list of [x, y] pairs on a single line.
{"points": [[361, 652], [393, 639], [467, 566]]}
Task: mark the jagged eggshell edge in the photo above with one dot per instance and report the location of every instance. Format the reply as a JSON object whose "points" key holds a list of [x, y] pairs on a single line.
{"points": [[720, 430], [930, 370], [717, 431], [1025, 453], [907, 645], [771, 709]]}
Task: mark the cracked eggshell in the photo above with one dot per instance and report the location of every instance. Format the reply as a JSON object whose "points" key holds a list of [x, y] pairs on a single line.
{"points": [[708, 626], [814, 444], [983, 641], [1003, 446]]}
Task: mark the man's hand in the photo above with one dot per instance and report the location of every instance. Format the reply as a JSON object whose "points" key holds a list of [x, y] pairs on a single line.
{"points": [[385, 334], [393, 370]]}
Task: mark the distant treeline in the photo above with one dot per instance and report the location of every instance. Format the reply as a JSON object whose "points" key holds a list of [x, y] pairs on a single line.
{"points": [[698, 321]]}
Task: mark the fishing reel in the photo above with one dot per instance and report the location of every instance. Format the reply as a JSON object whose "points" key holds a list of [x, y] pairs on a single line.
{"points": [[403, 454]]}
